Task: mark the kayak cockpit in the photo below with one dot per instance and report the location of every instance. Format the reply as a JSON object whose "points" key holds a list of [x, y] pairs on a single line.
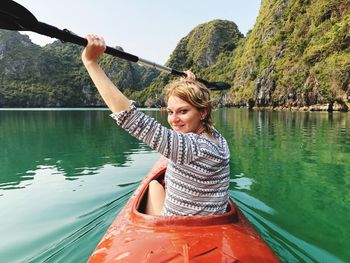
{"points": [[139, 215]]}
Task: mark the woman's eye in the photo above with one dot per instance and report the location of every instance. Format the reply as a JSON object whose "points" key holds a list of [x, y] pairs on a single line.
{"points": [[170, 112], [183, 111]]}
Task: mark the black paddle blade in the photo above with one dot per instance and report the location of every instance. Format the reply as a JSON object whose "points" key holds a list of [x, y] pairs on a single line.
{"points": [[218, 86], [13, 16], [215, 85], [210, 85]]}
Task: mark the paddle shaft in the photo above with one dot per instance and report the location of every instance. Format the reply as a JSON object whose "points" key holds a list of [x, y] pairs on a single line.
{"points": [[67, 36]]}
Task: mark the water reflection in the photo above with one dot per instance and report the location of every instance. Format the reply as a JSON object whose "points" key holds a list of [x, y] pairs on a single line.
{"points": [[241, 182], [55, 208], [297, 164], [76, 143]]}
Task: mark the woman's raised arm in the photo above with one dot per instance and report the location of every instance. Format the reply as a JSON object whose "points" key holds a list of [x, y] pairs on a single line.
{"points": [[112, 96]]}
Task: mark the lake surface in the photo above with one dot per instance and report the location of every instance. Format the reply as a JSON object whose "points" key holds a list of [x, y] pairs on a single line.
{"points": [[65, 175]]}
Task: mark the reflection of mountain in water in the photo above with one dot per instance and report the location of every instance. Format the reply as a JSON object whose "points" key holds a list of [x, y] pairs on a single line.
{"points": [[72, 142]]}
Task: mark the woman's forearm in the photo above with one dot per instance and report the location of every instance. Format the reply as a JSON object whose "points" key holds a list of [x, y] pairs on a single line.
{"points": [[112, 96]]}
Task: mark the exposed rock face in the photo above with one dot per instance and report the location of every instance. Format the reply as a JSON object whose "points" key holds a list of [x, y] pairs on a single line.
{"points": [[264, 88], [17, 54]]}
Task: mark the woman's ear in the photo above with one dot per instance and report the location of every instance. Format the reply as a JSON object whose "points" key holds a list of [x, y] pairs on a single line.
{"points": [[203, 113]]}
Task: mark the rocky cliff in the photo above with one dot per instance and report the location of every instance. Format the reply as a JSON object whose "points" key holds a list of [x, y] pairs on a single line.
{"points": [[53, 75], [199, 51], [297, 56]]}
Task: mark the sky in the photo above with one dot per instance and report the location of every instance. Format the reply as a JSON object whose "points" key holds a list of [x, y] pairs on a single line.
{"points": [[148, 29]]}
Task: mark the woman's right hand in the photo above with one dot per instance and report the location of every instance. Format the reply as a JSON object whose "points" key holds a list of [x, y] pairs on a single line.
{"points": [[93, 51], [190, 75]]}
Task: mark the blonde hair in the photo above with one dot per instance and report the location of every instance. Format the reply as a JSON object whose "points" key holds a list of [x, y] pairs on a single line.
{"points": [[194, 93]]}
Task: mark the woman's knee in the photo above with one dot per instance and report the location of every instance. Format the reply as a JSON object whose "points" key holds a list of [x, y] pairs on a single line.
{"points": [[156, 190], [155, 185], [156, 196]]}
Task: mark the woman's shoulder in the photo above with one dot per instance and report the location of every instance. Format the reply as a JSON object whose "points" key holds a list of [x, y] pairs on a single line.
{"points": [[213, 140]]}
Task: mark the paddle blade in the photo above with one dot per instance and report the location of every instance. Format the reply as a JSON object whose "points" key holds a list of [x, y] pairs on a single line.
{"points": [[218, 86], [6, 23], [215, 85], [210, 85], [13, 16]]}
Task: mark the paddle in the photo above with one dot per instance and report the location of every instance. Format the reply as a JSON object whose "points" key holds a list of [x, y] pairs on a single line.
{"points": [[13, 16]]}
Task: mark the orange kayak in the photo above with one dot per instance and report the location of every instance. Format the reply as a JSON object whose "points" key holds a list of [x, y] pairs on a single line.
{"points": [[136, 237]]}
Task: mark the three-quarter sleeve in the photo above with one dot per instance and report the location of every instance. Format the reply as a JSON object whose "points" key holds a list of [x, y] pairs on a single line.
{"points": [[178, 147]]}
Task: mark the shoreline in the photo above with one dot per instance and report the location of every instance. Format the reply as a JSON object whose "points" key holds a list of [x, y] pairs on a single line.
{"points": [[312, 108]]}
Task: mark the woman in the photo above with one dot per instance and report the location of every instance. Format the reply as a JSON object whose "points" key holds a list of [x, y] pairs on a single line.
{"points": [[197, 176]]}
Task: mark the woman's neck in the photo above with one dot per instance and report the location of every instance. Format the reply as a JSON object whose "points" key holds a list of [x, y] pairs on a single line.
{"points": [[200, 130]]}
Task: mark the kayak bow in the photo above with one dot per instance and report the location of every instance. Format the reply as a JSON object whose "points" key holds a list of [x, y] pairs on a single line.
{"points": [[137, 237]]}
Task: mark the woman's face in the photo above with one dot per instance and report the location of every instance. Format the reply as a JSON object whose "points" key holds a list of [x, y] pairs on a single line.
{"points": [[183, 117]]}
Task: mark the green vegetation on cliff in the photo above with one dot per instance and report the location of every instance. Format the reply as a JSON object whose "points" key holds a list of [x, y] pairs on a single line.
{"points": [[297, 55], [198, 51], [53, 75]]}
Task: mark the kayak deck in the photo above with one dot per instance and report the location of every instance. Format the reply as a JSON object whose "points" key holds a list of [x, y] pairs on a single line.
{"points": [[138, 237]]}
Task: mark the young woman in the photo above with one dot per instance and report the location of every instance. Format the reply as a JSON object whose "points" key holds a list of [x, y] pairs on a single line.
{"points": [[197, 176]]}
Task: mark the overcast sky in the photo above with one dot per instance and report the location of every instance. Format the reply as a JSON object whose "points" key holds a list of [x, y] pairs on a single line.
{"points": [[149, 29]]}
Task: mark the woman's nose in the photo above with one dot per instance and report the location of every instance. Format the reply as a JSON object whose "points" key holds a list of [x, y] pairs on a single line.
{"points": [[174, 117]]}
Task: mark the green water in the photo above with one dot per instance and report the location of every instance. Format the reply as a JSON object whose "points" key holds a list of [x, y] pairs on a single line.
{"points": [[64, 175]]}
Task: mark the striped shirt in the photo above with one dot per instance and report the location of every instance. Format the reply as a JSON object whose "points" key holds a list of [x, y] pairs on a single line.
{"points": [[198, 173]]}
